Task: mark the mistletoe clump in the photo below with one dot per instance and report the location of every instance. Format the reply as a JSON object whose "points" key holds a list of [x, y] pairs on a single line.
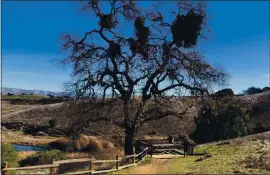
{"points": [[140, 45], [107, 21], [114, 50], [186, 29], [142, 32]]}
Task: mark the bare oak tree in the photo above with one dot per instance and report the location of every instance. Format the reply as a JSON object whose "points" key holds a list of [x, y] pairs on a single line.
{"points": [[159, 59]]}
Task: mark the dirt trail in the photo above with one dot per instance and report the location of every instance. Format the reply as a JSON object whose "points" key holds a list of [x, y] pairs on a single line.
{"points": [[155, 167], [17, 137], [31, 108]]}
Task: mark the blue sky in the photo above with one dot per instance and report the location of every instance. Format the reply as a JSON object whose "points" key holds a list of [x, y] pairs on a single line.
{"points": [[30, 31]]}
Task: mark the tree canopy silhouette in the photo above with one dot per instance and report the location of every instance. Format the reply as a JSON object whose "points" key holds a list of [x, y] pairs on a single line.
{"points": [[266, 88], [224, 92], [159, 59], [252, 90]]}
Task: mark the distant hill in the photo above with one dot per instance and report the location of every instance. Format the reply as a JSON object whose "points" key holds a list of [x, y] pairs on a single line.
{"points": [[17, 91]]}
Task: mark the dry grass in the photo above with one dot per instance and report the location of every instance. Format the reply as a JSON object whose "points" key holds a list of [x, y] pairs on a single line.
{"points": [[88, 143], [118, 140], [151, 137], [82, 143], [106, 154], [107, 145], [8, 108], [17, 137], [63, 144], [259, 161], [25, 154]]}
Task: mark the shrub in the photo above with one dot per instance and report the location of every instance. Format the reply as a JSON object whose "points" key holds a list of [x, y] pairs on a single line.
{"points": [[43, 158], [222, 119], [10, 155], [224, 92], [118, 140], [106, 144], [266, 89], [253, 90], [86, 143], [64, 144], [53, 123]]}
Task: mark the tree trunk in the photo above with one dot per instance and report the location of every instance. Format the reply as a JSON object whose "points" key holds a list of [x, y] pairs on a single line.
{"points": [[129, 131], [129, 145]]}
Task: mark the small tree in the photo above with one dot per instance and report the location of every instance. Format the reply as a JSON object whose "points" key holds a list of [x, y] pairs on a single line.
{"points": [[156, 62], [266, 89], [10, 94], [252, 90], [224, 92], [222, 119]]}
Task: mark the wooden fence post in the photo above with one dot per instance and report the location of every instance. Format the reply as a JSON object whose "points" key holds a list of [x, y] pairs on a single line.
{"points": [[92, 167], [6, 166], [53, 169], [117, 162], [133, 158]]}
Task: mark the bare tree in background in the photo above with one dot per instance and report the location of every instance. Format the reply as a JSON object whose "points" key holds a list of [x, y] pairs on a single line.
{"points": [[159, 59]]}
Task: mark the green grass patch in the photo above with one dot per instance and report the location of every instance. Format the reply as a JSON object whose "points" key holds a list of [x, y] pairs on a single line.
{"points": [[147, 160], [223, 159]]}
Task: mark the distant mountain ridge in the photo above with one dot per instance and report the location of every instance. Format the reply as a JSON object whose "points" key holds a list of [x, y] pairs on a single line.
{"points": [[18, 91]]}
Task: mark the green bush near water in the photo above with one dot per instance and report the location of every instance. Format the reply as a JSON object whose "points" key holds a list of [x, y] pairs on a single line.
{"points": [[10, 155], [43, 158]]}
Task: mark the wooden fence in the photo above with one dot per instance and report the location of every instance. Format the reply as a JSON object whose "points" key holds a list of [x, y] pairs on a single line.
{"points": [[119, 163], [160, 145]]}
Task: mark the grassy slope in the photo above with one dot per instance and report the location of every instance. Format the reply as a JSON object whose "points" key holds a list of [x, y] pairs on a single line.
{"points": [[227, 159]]}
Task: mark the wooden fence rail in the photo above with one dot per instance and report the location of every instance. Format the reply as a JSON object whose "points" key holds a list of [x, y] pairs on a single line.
{"points": [[55, 164]]}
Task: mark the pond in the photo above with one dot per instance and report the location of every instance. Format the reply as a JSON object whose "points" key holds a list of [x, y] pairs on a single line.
{"points": [[29, 148]]}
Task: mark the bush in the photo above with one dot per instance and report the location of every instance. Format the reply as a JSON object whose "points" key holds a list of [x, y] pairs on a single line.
{"points": [[53, 123], [106, 144], [252, 90], [222, 119], [64, 144], [10, 155], [43, 158], [266, 89], [224, 92], [89, 144]]}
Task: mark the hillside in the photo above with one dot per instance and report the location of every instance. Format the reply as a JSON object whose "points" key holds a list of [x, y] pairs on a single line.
{"points": [[72, 114], [261, 109]]}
